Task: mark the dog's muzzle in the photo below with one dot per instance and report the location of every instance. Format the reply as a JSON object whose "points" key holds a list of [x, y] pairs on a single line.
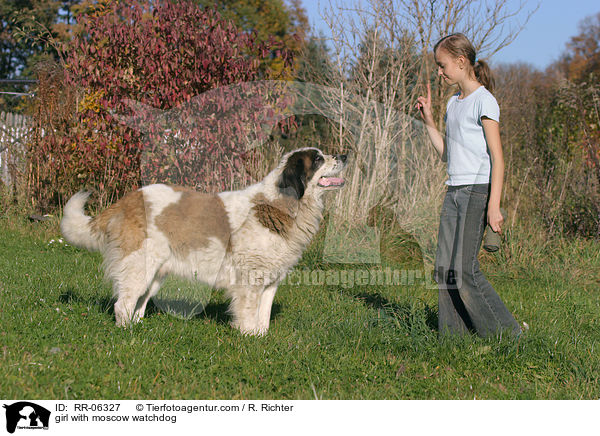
{"points": [[334, 182]]}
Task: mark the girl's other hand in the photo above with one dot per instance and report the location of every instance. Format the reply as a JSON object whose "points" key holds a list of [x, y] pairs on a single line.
{"points": [[424, 105], [495, 219]]}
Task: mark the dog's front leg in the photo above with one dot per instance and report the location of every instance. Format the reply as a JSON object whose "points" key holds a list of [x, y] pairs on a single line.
{"points": [[264, 308], [244, 308]]}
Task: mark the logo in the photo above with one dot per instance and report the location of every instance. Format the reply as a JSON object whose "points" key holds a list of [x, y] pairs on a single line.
{"points": [[26, 415]]}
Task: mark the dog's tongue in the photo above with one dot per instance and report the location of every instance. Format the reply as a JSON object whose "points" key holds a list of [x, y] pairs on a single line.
{"points": [[331, 181]]}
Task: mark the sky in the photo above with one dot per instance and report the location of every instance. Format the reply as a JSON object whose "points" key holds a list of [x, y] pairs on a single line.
{"points": [[541, 41]]}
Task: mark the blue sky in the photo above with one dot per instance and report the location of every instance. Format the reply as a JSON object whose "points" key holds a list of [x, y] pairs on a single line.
{"points": [[539, 44]]}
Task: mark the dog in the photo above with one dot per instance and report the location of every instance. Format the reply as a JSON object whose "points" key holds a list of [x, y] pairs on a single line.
{"points": [[244, 241]]}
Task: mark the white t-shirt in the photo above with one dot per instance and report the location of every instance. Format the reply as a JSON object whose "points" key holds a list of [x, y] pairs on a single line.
{"points": [[468, 154]]}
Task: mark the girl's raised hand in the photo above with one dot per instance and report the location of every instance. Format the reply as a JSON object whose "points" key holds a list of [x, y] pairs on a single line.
{"points": [[424, 105]]}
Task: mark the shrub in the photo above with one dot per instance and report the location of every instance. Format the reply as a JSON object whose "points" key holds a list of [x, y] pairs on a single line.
{"points": [[164, 57]]}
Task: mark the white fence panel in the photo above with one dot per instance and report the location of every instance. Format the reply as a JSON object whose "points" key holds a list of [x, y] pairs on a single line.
{"points": [[14, 130]]}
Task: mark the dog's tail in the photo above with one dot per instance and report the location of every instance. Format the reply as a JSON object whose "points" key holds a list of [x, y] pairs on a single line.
{"points": [[76, 225]]}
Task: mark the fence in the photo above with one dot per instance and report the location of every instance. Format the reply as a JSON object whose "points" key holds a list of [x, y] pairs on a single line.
{"points": [[14, 130]]}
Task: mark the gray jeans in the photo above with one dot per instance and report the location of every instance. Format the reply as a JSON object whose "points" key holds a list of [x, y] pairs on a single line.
{"points": [[467, 301]]}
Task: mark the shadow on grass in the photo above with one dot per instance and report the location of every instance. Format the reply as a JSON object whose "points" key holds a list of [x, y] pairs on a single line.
{"points": [[215, 311], [404, 314]]}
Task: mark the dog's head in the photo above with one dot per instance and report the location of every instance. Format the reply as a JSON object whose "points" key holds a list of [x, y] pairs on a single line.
{"points": [[309, 169]]}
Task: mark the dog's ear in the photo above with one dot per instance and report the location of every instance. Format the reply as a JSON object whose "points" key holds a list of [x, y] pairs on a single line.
{"points": [[293, 179]]}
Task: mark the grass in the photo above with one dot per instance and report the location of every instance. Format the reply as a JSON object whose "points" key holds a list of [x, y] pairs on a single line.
{"points": [[58, 339]]}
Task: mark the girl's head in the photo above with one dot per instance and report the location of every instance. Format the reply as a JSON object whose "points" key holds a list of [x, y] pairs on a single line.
{"points": [[455, 55]]}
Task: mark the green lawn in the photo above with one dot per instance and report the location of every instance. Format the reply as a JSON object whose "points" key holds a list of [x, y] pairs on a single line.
{"points": [[58, 338]]}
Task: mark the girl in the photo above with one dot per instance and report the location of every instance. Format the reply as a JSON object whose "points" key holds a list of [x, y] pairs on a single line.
{"points": [[472, 148]]}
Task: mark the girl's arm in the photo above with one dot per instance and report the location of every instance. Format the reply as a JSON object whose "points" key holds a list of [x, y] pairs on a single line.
{"points": [[424, 107], [491, 129]]}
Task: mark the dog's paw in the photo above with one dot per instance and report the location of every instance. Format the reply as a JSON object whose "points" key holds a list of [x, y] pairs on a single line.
{"points": [[262, 331], [249, 330], [128, 322]]}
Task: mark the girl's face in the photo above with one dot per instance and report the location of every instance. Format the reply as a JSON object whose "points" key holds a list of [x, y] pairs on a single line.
{"points": [[450, 68]]}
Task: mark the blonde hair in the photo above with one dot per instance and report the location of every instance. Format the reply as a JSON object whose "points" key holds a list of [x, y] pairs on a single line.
{"points": [[457, 45]]}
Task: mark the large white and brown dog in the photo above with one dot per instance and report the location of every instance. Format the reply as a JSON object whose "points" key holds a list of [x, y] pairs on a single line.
{"points": [[242, 241]]}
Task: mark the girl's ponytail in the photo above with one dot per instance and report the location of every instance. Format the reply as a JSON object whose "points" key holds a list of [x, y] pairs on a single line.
{"points": [[483, 74]]}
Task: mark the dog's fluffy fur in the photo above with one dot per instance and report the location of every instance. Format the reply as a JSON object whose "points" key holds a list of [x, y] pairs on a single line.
{"points": [[242, 241]]}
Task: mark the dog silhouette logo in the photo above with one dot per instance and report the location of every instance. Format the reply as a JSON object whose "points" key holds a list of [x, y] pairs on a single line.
{"points": [[26, 415]]}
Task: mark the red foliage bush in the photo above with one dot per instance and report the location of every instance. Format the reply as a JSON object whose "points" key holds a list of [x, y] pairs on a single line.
{"points": [[164, 58]]}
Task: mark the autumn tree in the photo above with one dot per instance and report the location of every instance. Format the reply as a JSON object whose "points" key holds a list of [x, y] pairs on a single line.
{"points": [[283, 21], [582, 55]]}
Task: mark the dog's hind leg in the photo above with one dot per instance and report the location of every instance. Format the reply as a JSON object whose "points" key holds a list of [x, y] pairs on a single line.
{"points": [[143, 300], [125, 307], [136, 283]]}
